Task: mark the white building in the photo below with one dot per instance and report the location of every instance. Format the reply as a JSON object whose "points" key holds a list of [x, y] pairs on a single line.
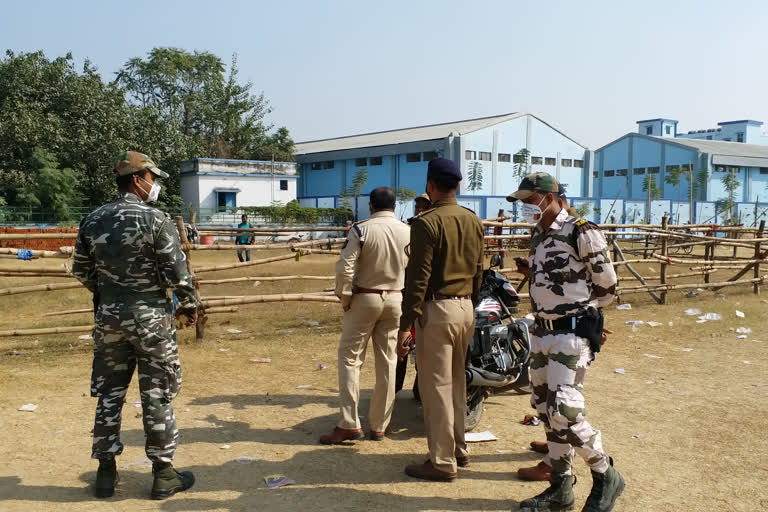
{"points": [[211, 185]]}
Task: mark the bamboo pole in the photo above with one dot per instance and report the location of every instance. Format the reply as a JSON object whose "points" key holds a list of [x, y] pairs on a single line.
{"points": [[245, 264], [39, 288], [222, 297], [35, 236], [221, 309], [758, 255], [634, 273], [690, 286], [35, 253], [48, 330], [284, 297], [256, 247], [748, 243], [663, 265], [625, 262], [43, 270], [69, 312], [755, 264], [274, 230], [201, 318], [681, 261], [265, 279], [34, 274]]}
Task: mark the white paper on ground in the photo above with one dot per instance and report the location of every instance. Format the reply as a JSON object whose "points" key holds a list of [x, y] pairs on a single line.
{"points": [[479, 437]]}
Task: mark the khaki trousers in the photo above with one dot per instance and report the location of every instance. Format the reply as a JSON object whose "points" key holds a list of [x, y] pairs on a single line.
{"points": [[442, 335], [376, 317]]}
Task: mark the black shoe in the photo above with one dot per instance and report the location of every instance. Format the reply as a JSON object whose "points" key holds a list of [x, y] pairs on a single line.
{"points": [[168, 481], [606, 487], [106, 478], [558, 497]]}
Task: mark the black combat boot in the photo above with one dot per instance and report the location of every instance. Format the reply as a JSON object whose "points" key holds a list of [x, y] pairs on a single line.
{"points": [[606, 487], [106, 478], [558, 497], [168, 481]]}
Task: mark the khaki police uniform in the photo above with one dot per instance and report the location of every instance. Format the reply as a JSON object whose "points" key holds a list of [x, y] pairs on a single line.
{"points": [[369, 278], [571, 273], [444, 276]]}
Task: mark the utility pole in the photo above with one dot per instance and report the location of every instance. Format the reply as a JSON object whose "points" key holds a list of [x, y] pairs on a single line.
{"points": [[690, 193]]}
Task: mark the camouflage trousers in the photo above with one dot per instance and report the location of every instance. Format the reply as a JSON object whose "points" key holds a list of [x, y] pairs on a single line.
{"points": [[124, 340], [559, 363]]}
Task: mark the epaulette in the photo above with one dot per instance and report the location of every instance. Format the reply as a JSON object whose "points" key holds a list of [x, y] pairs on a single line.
{"points": [[424, 213], [469, 209]]}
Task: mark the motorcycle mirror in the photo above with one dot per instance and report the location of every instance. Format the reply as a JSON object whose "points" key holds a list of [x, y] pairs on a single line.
{"points": [[496, 261]]}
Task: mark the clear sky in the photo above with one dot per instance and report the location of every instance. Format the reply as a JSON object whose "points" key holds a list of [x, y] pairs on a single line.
{"points": [[333, 68]]}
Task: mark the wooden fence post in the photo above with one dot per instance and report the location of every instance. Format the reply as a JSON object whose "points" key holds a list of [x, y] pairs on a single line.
{"points": [[663, 269], [760, 231], [709, 250], [201, 318]]}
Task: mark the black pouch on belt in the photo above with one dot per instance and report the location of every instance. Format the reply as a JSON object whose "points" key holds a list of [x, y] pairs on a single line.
{"points": [[590, 326]]}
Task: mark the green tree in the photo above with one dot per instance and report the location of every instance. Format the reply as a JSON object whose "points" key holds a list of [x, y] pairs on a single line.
{"points": [[50, 187], [522, 163], [402, 195], [727, 205], [653, 192], [475, 176]]}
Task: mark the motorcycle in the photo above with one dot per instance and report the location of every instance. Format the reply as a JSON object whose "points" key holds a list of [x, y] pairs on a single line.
{"points": [[499, 352]]}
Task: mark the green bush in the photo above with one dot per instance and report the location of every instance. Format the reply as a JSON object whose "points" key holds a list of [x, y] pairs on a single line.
{"points": [[294, 213]]}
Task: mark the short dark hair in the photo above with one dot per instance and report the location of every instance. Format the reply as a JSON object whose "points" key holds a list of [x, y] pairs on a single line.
{"points": [[382, 198], [124, 182], [243, 216], [445, 183]]}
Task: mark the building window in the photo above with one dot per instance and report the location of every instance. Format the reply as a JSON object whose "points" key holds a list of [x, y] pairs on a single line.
{"points": [[361, 162], [727, 140], [505, 157], [429, 155], [653, 170], [709, 137], [565, 162], [470, 155], [739, 136], [550, 161], [578, 163], [375, 160], [595, 174], [764, 170], [720, 168], [537, 160], [649, 130], [226, 201], [668, 130], [638, 171], [283, 184], [316, 166], [621, 172], [485, 155], [607, 174], [413, 157], [328, 164]]}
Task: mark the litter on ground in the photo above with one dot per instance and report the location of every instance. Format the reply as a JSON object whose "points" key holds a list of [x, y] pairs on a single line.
{"points": [[686, 349], [652, 356], [28, 407], [260, 360], [739, 314], [479, 437], [244, 459], [633, 322], [624, 307], [692, 312], [321, 367], [234, 331], [653, 324], [743, 330], [620, 371], [274, 481]]}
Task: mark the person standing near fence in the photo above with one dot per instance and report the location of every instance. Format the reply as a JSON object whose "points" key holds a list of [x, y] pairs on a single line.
{"points": [[572, 279], [369, 280], [445, 270], [244, 238], [129, 254]]}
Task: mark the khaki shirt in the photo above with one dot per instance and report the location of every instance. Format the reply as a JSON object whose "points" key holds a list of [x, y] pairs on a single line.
{"points": [[373, 256], [571, 270], [446, 257]]}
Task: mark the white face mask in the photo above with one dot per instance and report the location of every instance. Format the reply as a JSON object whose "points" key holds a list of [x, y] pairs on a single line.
{"points": [[531, 213], [154, 192]]}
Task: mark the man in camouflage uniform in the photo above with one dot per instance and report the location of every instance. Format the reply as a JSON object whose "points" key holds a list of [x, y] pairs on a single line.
{"points": [[572, 278], [128, 254]]}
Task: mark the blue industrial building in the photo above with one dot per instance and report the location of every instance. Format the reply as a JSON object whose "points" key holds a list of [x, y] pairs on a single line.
{"points": [[398, 158], [622, 167]]}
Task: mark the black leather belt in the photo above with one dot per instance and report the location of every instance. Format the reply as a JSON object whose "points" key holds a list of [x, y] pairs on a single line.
{"points": [[437, 296], [559, 324]]}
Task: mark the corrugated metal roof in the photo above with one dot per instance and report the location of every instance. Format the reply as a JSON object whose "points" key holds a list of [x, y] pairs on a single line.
{"points": [[720, 147], [413, 134]]}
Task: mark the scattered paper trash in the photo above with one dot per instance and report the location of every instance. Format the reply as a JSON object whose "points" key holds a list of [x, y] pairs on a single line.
{"points": [[532, 420], [649, 382], [285, 332], [741, 337], [244, 459], [671, 324], [225, 447], [652, 356], [312, 323], [256, 283], [137, 404], [234, 331], [620, 371], [653, 324], [260, 359], [625, 307], [85, 337], [274, 481], [686, 349], [17, 353], [321, 367], [635, 436], [692, 312], [223, 350], [739, 314], [304, 386], [713, 316], [743, 330], [514, 451], [143, 462], [28, 408], [691, 294], [479, 437], [700, 321], [634, 322], [747, 362]]}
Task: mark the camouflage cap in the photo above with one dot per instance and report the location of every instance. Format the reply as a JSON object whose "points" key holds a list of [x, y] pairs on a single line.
{"points": [[537, 182], [424, 197], [129, 162]]}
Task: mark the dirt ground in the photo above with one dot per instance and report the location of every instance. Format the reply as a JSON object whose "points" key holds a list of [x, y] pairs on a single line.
{"points": [[683, 426]]}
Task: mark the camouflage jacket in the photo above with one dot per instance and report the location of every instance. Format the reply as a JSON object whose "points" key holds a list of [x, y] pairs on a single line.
{"points": [[128, 254], [570, 268]]}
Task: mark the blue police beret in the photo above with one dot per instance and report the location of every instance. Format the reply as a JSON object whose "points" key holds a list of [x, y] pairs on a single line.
{"points": [[443, 167]]}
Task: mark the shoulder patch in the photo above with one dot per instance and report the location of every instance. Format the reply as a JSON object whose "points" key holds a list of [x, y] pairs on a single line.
{"points": [[580, 222], [469, 210]]}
